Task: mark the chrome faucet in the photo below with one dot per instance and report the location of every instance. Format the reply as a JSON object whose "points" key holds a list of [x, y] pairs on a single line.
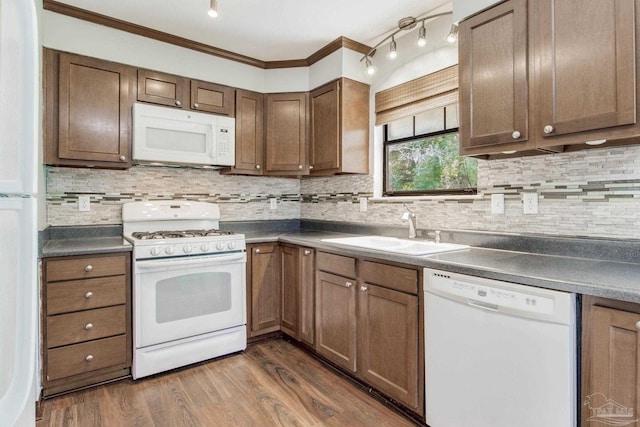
{"points": [[411, 218], [435, 234]]}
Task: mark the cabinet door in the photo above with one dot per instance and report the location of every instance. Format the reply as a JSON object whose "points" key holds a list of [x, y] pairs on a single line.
{"points": [[162, 89], [249, 133], [610, 364], [324, 151], [212, 98], [336, 319], [290, 285], [494, 82], [264, 281], [286, 149], [586, 54], [388, 342], [306, 316], [94, 112]]}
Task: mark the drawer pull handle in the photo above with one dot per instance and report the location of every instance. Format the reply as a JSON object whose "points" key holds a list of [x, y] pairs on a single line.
{"points": [[257, 251], [178, 103], [89, 358], [348, 284], [123, 158], [548, 129], [515, 134], [88, 268], [196, 105], [88, 326], [363, 288], [88, 295]]}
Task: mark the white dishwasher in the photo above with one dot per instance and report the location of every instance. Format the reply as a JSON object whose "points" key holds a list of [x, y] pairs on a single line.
{"points": [[498, 354]]}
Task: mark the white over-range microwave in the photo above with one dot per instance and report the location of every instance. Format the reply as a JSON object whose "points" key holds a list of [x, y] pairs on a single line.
{"points": [[164, 135]]}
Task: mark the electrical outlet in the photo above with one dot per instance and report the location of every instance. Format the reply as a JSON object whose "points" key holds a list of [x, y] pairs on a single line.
{"points": [[363, 204], [530, 203], [273, 203], [497, 204], [84, 203]]}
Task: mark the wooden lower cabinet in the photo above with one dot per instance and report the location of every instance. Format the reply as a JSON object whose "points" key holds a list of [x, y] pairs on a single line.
{"points": [[610, 359], [263, 288], [290, 289], [86, 322], [298, 285]]}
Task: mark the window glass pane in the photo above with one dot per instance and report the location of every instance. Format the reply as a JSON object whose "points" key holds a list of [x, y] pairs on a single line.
{"points": [[428, 164], [430, 121], [452, 116], [399, 129]]}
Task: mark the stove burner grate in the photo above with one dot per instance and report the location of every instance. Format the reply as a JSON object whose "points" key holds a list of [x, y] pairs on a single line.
{"points": [[177, 234]]}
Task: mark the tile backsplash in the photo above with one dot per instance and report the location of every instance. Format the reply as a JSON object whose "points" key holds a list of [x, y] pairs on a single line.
{"points": [[592, 193]]}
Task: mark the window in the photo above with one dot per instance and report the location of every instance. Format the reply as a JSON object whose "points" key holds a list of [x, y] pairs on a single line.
{"points": [[421, 155]]}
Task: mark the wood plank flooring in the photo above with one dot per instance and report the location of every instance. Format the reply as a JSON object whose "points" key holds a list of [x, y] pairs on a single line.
{"points": [[273, 383]]}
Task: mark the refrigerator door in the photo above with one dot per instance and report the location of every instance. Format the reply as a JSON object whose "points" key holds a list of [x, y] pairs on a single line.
{"points": [[18, 97], [18, 310]]}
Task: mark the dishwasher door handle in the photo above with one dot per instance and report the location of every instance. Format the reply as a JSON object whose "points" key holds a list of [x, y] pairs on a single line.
{"points": [[483, 305]]}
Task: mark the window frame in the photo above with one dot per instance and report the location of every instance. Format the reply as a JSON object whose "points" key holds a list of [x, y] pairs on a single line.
{"points": [[386, 142]]}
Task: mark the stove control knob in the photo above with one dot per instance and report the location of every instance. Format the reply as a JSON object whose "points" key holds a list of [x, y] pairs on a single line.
{"points": [[204, 247], [187, 249], [169, 250], [220, 246], [231, 245], [155, 251]]}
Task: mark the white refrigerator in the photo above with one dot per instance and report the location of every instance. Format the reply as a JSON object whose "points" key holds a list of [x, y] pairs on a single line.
{"points": [[19, 165]]}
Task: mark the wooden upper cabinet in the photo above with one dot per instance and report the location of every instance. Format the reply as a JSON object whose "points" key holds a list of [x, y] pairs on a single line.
{"points": [[286, 140], [586, 51], [87, 111], [339, 128], [212, 98], [249, 133], [610, 356], [494, 83], [180, 92], [162, 89]]}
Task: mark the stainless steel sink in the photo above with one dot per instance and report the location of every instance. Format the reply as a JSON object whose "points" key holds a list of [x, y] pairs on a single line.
{"points": [[400, 246]]}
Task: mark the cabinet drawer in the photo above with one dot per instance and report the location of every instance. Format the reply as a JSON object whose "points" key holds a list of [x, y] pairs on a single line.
{"points": [[76, 295], [85, 325], [390, 276], [83, 268], [337, 264], [79, 358]]}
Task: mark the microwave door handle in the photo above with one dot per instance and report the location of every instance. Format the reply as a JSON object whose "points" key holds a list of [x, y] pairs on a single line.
{"points": [[218, 260]]}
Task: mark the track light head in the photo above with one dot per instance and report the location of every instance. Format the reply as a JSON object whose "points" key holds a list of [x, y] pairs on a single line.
{"points": [[213, 9], [393, 49], [371, 70], [453, 34], [422, 36]]}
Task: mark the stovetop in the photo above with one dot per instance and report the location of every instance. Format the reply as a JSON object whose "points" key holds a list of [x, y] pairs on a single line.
{"points": [[178, 234]]}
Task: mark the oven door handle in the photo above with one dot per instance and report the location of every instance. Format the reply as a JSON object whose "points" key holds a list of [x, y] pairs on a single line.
{"points": [[210, 260]]}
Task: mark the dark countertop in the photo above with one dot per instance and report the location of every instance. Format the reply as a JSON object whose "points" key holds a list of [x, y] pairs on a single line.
{"points": [[610, 279], [84, 246]]}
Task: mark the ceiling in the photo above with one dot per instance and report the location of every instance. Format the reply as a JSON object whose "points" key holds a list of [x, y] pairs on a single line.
{"points": [[267, 30]]}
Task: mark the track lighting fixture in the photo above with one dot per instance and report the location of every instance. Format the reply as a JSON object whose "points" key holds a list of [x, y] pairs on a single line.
{"points": [[213, 9], [405, 24], [453, 34], [422, 36]]}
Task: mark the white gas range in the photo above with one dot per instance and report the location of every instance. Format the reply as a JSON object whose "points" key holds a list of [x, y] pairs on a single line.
{"points": [[188, 284]]}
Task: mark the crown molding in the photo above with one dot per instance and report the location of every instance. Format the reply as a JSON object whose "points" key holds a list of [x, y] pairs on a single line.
{"points": [[96, 18]]}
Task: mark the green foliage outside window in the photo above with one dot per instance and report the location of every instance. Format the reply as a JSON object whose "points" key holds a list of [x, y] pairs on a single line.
{"points": [[429, 164]]}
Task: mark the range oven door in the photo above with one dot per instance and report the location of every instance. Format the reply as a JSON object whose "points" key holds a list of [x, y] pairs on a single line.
{"points": [[184, 297]]}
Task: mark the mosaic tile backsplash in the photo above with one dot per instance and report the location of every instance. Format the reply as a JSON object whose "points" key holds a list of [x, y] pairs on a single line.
{"points": [[592, 193]]}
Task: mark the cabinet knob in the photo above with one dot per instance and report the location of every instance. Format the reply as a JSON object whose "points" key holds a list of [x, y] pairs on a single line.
{"points": [[310, 166], [548, 129], [89, 358], [88, 326], [299, 166], [257, 166], [258, 251], [348, 284], [363, 288], [88, 268], [88, 295], [638, 325], [196, 105], [123, 159], [307, 252], [178, 103], [515, 134]]}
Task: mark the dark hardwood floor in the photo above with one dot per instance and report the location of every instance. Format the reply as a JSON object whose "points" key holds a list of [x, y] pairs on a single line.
{"points": [[273, 383]]}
